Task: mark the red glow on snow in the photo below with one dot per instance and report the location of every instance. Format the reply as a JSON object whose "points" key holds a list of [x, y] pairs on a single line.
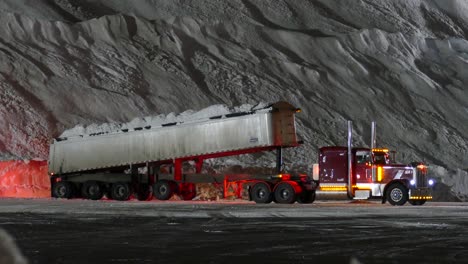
{"points": [[25, 179]]}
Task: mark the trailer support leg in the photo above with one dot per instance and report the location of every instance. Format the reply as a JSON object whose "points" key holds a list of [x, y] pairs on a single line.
{"points": [[198, 165], [178, 170], [225, 187], [279, 159]]}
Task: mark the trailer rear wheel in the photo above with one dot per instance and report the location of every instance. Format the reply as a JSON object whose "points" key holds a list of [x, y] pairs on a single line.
{"points": [[397, 194], [120, 191], [144, 192], [285, 193], [163, 189], [63, 189], [417, 202], [261, 193], [306, 197], [92, 190]]}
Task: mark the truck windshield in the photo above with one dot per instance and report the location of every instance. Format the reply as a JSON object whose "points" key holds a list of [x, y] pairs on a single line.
{"points": [[381, 158]]}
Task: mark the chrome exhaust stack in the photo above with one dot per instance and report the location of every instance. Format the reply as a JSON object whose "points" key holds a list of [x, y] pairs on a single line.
{"points": [[373, 145], [373, 132], [350, 170]]}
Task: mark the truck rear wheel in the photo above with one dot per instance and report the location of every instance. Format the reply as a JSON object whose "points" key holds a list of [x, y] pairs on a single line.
{"points": [[63, 189], [92, 190], [261, 193], [397, 194], [144, 192], [120, 191], [306, 197], [285, 193], [163, 190]]}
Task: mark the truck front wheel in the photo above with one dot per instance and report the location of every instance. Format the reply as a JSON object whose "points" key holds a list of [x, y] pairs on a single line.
{"points": [[397, 194], [261, 193], [285, 193]]}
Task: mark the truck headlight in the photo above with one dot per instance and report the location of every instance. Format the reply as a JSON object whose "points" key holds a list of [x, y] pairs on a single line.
{"points": [[431, 182], [412, 182]]}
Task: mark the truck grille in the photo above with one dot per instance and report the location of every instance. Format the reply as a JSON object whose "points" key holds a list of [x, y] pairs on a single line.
{"points": [[421, 178]]}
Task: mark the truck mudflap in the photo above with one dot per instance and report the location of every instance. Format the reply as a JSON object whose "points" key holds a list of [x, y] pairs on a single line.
{"points": [[420, 194]]}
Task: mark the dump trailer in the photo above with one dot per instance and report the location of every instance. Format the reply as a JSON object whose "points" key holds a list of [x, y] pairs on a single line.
{"points": [[129, 161]]}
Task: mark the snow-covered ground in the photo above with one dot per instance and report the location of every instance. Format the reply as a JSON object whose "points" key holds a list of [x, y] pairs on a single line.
{"points": [[401, 63], [54, 230]]}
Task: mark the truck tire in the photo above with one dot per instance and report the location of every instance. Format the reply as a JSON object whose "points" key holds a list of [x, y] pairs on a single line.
{"points": [[306, 197], [417, 202], [92, 190], [261, 193], [63, 189], [144, 192], [120, 191], [163, 190], [397, 194], [285, 193]]}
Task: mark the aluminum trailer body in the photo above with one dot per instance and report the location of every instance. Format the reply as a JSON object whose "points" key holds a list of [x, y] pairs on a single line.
{"points": [[218, 136]]}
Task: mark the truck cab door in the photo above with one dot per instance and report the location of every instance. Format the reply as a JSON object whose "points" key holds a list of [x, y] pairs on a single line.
{"points": [[363, 167]]}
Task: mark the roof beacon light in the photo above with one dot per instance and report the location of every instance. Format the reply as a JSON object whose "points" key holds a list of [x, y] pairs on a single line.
{"points": [[380, 150]]}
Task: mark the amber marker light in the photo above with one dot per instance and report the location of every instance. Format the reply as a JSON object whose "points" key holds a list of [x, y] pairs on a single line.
{"points": [[333, 188], [379, 173]]}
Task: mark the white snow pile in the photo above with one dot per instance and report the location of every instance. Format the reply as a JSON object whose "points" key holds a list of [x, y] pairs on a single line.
{"points": [[454, 184], [400, 63], [159, 120]]}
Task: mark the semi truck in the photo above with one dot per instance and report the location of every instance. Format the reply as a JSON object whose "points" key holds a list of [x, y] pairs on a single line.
{"points": [[129, 162], [362, 173]]}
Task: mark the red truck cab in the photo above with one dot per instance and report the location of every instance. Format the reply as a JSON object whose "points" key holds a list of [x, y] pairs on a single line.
{"points": [[373, 173]]}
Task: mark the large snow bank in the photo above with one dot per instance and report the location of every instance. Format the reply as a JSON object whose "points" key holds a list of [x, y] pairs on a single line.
{"points": [[452, 184]]}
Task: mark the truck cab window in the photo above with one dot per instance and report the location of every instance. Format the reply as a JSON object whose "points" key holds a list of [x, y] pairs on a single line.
{"points": [[363, 157]]}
